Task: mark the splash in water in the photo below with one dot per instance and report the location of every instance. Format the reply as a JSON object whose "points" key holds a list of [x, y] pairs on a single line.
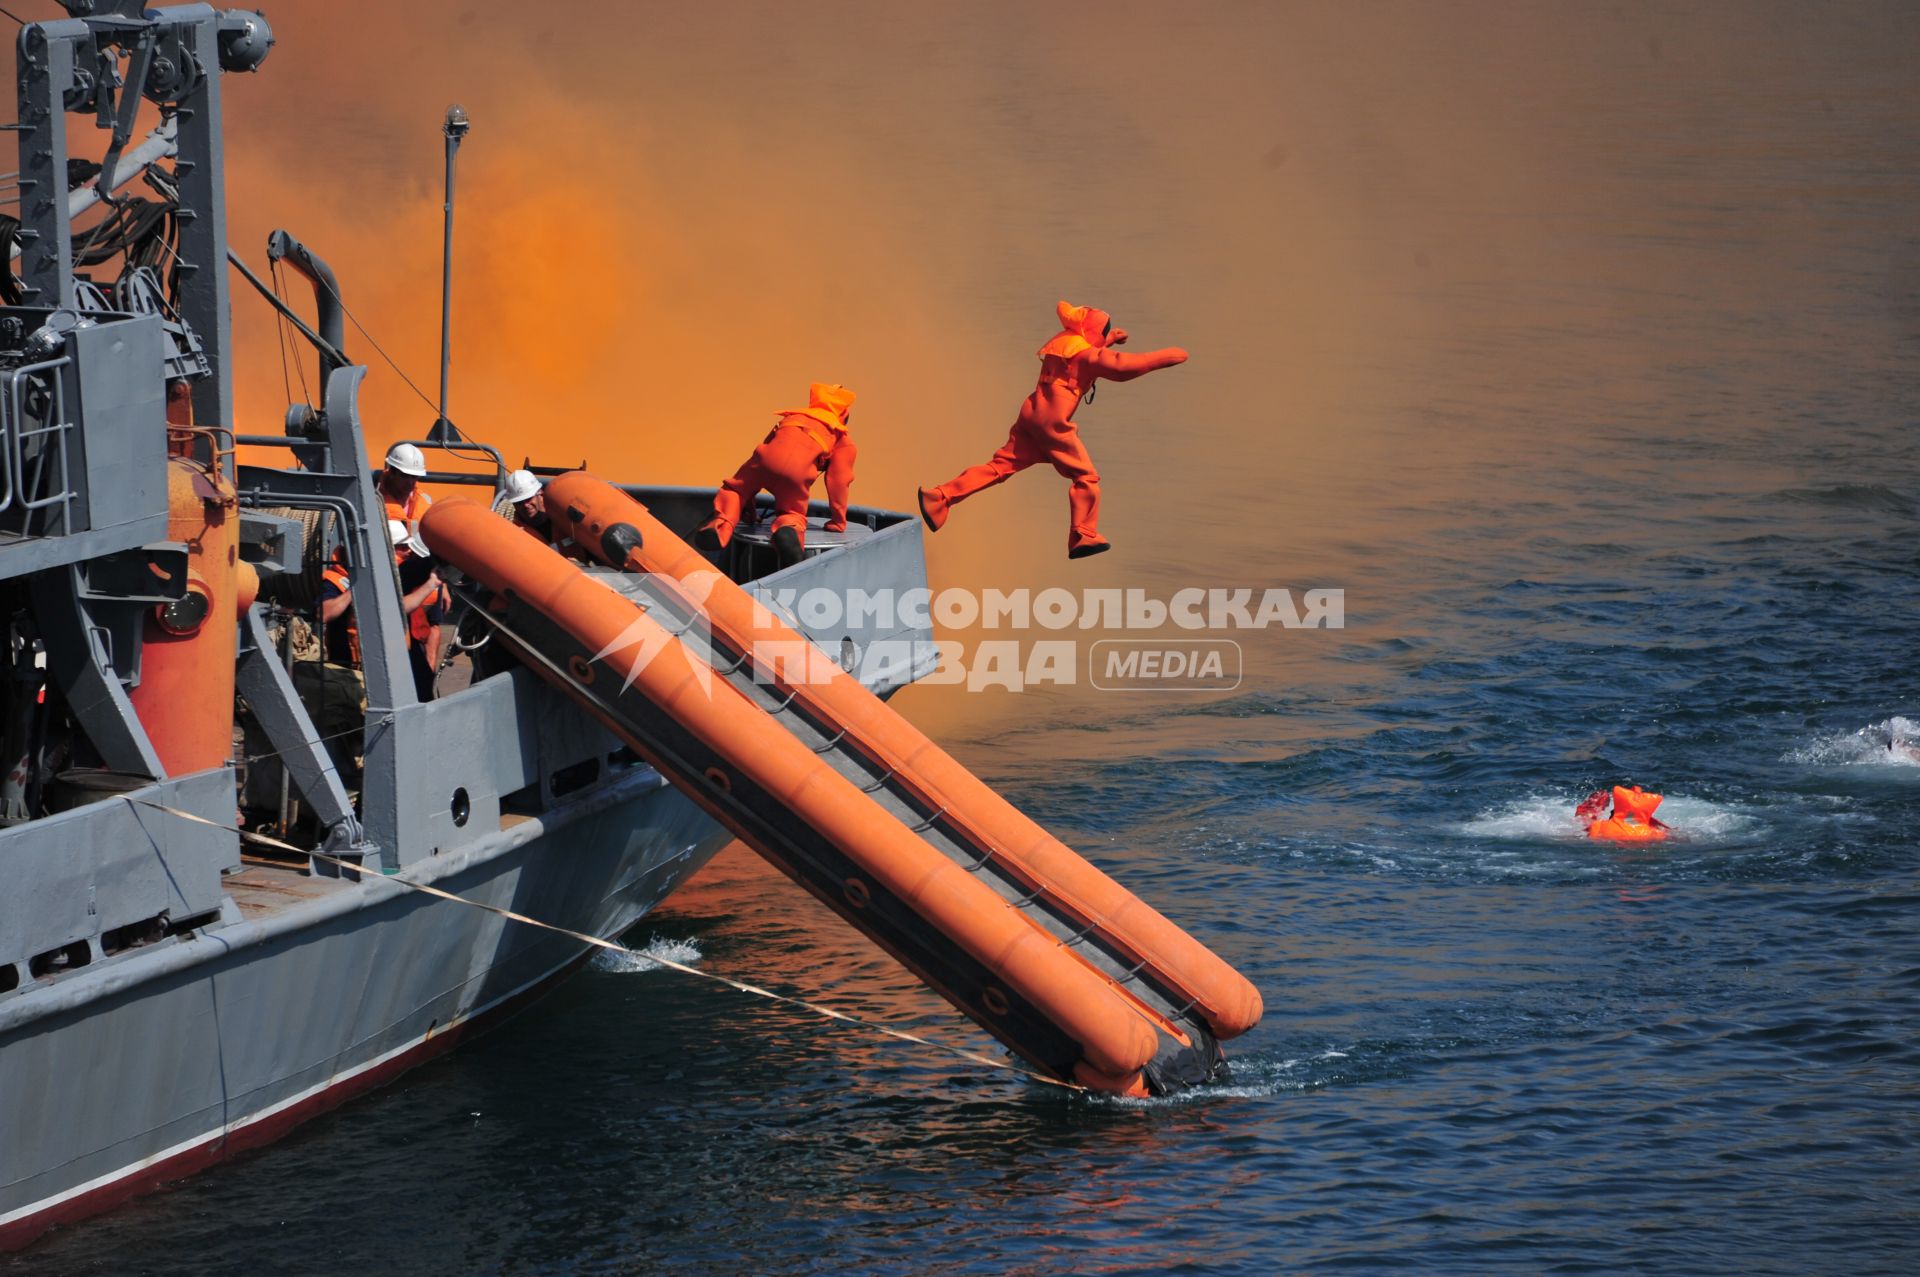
{"points": [[634, 961], [1894, 742], [1549, 817]]}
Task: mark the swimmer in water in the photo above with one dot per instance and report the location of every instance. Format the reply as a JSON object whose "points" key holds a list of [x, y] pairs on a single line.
{"points": [[1632, 819]]}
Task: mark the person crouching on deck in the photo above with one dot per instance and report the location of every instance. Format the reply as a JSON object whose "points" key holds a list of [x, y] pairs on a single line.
{"points": [[1070, 363], [806, 443]]}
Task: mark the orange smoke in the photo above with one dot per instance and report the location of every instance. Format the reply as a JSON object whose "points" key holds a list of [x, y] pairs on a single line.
{"points": [[1401, 247], [624, 293]]}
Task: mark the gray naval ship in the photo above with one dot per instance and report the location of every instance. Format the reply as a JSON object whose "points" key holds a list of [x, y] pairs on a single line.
{"points": [[205, 936], [243, 885]]}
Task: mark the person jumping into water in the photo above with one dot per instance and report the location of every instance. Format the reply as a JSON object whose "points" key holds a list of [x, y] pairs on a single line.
{"points": [[1070, 363], [805, 443]]}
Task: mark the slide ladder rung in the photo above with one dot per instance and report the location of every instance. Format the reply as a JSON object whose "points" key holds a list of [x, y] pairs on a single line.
{"points": [[1081, 934], [1131, 973]]}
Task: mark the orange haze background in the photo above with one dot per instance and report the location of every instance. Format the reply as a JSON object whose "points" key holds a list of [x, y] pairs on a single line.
{"points": [[1396, 237]]}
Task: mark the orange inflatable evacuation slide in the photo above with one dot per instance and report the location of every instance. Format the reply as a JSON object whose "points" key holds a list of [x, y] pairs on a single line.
{"points": [[1632, 819], [1115, 996]]}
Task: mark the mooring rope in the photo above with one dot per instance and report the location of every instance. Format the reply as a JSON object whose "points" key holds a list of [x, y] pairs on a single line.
{"points": [[377, 725], [615, 947]]}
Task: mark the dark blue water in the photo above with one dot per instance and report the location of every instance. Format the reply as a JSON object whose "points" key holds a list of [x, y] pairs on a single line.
{"points": [[1489, 1044], [1583, 351]]}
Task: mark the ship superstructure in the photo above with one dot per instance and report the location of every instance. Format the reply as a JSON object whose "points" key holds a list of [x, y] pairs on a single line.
{"points": [[167, 993]]}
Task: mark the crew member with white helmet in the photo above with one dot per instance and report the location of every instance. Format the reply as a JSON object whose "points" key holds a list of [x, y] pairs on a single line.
{"points": [[423, 601], [529, 502], [399, 483]]}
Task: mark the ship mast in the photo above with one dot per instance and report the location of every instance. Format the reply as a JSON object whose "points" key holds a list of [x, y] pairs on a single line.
{"points": [[455, 128]]}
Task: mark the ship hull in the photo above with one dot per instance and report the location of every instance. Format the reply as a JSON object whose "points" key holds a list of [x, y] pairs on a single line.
{"points": [[225, 1042]]}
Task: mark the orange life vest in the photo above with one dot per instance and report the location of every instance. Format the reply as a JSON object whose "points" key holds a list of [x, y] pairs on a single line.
{"points": [[1082, 328], [336, 574], [1625, 829], [824, 419], [418, 626], [410, 510], [1634, 802], [822, 437], [1631, 819]]}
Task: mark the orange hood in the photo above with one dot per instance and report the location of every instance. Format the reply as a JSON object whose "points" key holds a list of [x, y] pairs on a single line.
{"points": [[827, 403], [1081, 328], [1634, 802]]}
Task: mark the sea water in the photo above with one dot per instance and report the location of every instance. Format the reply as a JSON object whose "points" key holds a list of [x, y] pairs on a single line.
{"points": [[1581, 348]]}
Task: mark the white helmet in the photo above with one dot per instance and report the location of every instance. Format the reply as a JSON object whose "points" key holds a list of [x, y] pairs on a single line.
{"points": [[406, 458], [405, 538], [522, 486]]}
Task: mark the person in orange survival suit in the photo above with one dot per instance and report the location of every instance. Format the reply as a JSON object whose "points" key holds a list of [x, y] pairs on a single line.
{"points": [[1632, 819], [1070, 363], [805, 443]]}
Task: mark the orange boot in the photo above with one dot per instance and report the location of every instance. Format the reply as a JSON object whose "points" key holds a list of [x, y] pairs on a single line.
{"points": [[716, 532], [933, 508], [1084, 545]]}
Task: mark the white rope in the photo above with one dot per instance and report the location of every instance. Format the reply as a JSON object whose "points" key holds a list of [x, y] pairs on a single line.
{"points": [[596, 941]]}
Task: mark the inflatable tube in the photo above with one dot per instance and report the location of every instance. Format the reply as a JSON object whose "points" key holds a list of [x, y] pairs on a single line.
{"points": [[620, 532], [635, 654]]}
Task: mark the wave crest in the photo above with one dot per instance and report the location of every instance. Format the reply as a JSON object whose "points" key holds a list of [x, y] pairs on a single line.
{"points": [[1893, 742]]}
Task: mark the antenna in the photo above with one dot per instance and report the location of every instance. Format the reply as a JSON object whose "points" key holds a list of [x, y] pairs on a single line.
{"points": [[455, 128]]}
